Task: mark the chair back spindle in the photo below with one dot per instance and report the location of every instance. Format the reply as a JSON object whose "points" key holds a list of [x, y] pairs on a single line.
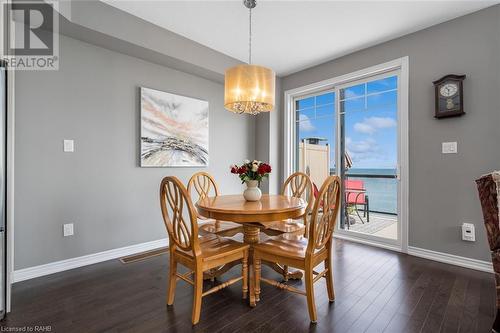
{"points": [[324, 214], [204, 185], [175, 203], [300, 186]]}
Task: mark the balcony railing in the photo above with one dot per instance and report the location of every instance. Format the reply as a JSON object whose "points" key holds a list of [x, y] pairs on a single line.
{"points": [[381, 189], [360, 175]]}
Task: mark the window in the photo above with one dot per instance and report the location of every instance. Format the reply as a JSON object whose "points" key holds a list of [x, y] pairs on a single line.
{"points": [[315, 133]]}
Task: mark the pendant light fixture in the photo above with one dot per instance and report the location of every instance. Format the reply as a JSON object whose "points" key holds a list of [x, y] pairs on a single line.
{"points": [[249, 88]]}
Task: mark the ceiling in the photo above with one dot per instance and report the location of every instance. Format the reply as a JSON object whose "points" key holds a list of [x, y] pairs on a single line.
{"points": [[292, 35]]}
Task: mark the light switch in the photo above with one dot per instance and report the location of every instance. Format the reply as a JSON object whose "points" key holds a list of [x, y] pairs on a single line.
{"points": [[68, 229], [449, 148], [68, 146]]}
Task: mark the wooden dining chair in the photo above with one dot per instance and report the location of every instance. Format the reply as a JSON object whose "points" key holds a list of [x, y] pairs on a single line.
{"points": [[197, 254], [204, 185], [298, 185], [305, 253]]}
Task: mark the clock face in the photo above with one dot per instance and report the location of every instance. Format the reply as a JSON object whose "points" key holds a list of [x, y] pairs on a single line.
{"points": [[448, 90], [449, 96]]}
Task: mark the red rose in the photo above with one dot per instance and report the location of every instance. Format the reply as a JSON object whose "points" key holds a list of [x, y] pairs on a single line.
{"points": [[234, 169], [264, 168], [242, 170]]}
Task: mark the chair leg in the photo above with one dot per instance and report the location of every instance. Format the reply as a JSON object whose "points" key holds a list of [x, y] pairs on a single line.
{"points": [[256, 266], [367, 209], [212, 278], [329, 279], [172, 280], [285, 273], [198, 290], [244, 273], [311, 306]]}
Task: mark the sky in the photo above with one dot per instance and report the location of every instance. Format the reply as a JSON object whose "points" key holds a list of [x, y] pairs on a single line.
{"points": [[370, 122]]}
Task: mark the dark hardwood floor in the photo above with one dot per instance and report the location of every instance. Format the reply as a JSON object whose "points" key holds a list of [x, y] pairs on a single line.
{"points": [[376, 291]]}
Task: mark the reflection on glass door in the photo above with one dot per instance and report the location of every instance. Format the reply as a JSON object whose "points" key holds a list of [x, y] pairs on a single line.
{"points": [[315, 136], [368, 120]]}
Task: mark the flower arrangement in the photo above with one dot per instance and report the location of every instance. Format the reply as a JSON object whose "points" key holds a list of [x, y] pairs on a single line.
{"points": [[255, 170]]}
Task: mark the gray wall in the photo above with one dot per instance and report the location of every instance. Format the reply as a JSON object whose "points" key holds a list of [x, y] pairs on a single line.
{"points": [[442, 189], [94, 99], [267, 143]]}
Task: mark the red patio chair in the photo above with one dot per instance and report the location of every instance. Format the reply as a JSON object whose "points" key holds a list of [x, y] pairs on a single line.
{"points": [[356, 195], [354, 198]]}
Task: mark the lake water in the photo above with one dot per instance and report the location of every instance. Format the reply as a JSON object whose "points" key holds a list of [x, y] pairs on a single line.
{"points": [[382, 192]]}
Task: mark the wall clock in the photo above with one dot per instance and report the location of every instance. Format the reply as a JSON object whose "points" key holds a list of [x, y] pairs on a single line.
{"points": [[449, 96]]}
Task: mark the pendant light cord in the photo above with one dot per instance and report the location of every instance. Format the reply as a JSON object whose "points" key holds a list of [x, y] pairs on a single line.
{"points": [[250, 36]]}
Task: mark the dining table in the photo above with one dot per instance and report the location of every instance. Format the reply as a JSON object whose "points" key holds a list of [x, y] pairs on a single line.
{"points": [[253, 216]]}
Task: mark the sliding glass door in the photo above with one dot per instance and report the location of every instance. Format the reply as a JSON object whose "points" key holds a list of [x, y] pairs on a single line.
{"points": [[368, 123], [352, 130]]}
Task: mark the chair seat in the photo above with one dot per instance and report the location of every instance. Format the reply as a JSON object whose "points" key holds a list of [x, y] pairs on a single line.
{"points": [[287, 226], [213, 247], [286, 245], [216, 227]]}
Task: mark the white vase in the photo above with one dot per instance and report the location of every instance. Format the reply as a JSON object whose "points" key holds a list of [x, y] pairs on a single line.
{"points": [[252, 192]]}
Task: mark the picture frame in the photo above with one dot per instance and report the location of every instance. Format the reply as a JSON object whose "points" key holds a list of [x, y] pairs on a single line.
{"points": [[174, 130]]}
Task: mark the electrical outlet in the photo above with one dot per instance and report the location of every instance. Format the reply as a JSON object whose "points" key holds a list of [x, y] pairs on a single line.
{"points": [[68, 229], [449, 148], [68, 146], [468, 232]]}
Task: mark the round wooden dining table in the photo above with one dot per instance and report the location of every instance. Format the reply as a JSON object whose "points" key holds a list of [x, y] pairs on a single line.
{"points": [[253, 216]]}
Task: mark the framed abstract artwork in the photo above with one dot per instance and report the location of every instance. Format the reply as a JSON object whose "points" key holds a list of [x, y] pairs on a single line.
{"points": [[174, 130]]}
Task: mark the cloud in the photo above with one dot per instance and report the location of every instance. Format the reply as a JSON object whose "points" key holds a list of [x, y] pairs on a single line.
{"points": [[373, 124], [364, 128], [361, 147], [305, 124], [362, 151], [351, 94], [367, 153]]}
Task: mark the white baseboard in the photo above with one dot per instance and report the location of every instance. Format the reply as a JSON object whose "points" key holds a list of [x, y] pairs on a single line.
{"points": [[391, 247], [451, 259], [63, 265], [479, 265]]}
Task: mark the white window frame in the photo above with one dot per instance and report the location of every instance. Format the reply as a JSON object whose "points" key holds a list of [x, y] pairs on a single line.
{"points": [[401, 65]]}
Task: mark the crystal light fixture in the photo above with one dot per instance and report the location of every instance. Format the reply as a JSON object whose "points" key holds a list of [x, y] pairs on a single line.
{"points": [[249, 88]]}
